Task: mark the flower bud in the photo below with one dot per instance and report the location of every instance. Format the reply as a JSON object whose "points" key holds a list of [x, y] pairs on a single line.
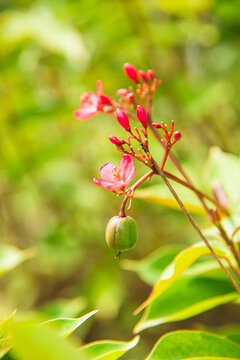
{"points": [[156, 125], [151, 74], [123, 119], [121, 233], [177, 135], [130, 96], [116, 141], [143, 75], [131, 72], [142, 116], [122, 92]]}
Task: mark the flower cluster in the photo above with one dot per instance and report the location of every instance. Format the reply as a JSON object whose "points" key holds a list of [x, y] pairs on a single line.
{"points": [[168, 134], [130, 106]]}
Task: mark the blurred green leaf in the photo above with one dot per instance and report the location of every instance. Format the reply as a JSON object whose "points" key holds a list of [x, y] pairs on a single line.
{"points": [[187, 297], [159, 194], [48, 31], [152, 265], [196, 345], [5, 341], [224, 168], [231, 331], [180, 264], [185, 7], [10, 257], [106, 349], [64, 307], [38, 343], [65, 326]]}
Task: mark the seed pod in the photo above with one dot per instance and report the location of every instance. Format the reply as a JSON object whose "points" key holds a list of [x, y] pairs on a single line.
{"points": [[121, 233]]}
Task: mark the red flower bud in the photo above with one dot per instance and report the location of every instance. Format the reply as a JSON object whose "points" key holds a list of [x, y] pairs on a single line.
{"points": [[142, 116], [151, 74], [122, 92], [131, 72], [123, 119], [177, 136], [130, 96], [156, 125], [143, 75], [116, 141]]}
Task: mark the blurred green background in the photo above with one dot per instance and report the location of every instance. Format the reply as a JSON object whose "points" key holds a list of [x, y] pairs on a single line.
{"points": [[50, 53]]}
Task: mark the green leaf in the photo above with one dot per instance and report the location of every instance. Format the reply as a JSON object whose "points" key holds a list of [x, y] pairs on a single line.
{"points": [[152, 265], [64, 307], [187, 297], [159, 194], [10, 257], [38, 343], [186, 345], [65, 326], [5, 341], [180, 264], [224, 168], [106, 349], [232, 332], [55, 36]]}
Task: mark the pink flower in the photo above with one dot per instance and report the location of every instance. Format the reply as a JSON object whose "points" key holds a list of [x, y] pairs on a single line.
{"points": [[116, 177], [92, 103]]}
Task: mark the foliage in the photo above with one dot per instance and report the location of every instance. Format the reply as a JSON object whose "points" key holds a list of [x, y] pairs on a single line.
{"points": [[54, 264]]}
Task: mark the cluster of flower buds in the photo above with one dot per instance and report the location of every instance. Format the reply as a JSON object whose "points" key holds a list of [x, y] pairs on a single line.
{"points": [[121, 234], [138, 75], [168, 134], [140, 135], [127, 95], [146, 81]]}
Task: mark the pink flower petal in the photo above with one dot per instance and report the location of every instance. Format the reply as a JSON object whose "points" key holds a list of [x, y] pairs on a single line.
{"points": [[89, 99], [117, 185], [107, 171], [99, 88], [85, 113], [127, 168]]}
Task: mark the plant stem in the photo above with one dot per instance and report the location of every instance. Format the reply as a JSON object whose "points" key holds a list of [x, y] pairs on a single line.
{"points": [[199, 194], [157, 169], [171, 156], [193, 188], [142, 179], [166, 153], [234, 270], [131, 191], [229, 244]]}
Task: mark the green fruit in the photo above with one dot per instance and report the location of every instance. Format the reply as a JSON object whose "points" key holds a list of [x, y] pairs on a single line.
{"points": [[121, 233]]}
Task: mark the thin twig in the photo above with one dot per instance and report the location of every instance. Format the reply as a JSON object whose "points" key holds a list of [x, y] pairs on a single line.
{"points": [[157, 168]]}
